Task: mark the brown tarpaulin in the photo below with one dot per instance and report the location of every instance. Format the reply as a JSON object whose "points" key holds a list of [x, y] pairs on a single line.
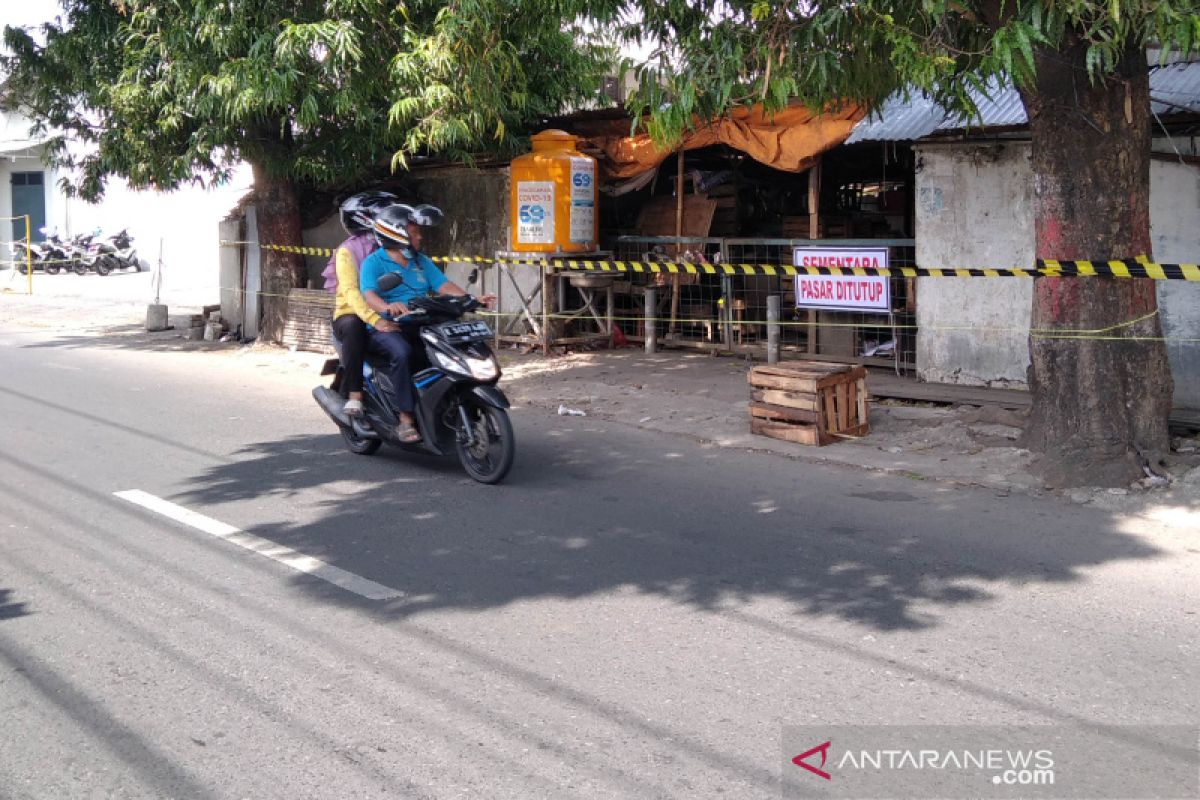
{"points": [[789, 140]]}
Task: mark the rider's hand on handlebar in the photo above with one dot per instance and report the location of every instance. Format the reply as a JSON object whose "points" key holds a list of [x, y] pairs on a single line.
{"points": [[386, 326], [488, 300], [397, 309]]}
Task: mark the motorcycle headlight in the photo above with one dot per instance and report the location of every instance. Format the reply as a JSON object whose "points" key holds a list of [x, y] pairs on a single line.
{"points": [[450, 364], [483, 369]]}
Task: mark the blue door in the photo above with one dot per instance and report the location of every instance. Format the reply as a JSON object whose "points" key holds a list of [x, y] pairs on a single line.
{"points": [[29, 197]]}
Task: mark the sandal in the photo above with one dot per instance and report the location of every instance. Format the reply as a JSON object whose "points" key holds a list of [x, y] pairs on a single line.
{"points": [[407, 433], [353, 408]]}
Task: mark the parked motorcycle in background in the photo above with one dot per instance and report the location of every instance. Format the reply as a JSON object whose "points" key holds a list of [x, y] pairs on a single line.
{"points": [[58, 254], [82, 253], [50, 255], [30, 254], [126, 252], [113, 252], [79, 249]]}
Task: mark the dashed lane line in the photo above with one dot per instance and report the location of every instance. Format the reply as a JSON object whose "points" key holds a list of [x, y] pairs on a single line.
{"points": [[264, 547]]}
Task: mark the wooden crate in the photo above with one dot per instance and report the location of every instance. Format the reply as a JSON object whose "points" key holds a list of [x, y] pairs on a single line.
{"points": [[809, 402]]}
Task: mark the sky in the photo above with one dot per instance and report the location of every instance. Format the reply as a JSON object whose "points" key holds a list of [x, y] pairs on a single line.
{"points": [[27, 12]]}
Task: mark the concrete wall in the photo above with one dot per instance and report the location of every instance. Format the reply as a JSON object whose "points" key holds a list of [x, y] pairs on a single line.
{"points": [[475, 202], [1175, 230], [974, 209]]}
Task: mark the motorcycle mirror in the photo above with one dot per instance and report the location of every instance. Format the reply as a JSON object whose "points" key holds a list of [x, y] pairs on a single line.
{"points": [[474, 276], [390, 281]]}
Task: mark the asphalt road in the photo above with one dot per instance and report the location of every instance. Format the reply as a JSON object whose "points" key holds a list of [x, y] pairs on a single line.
{"points": [[629, 615]]}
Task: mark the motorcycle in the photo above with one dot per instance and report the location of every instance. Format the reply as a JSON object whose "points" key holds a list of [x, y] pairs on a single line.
{"points": [[58, 254], [31, 254], [114, 252], [458, 407], [80, 253], [49, 255]]}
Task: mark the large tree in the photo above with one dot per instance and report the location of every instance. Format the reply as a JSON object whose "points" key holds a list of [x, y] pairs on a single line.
{"points": [[308, 92], [1100, 403]]}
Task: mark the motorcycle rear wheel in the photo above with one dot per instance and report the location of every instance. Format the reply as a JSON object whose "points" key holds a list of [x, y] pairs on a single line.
{"points": [[103, 267], [490, 458], [358, 445]]}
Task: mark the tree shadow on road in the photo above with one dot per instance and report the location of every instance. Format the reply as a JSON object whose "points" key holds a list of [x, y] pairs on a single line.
{"points": [[573, 521]]}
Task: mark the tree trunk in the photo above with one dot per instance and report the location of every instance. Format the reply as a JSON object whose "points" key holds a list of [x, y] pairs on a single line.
{"points": [[1101, 395], [278, 211]]}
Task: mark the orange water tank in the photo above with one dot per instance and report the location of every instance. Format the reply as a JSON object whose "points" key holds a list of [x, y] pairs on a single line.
{"points": [[553, 197]]}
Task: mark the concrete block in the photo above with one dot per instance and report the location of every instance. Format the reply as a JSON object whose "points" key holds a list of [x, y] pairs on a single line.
{"points": [[156, 317]]}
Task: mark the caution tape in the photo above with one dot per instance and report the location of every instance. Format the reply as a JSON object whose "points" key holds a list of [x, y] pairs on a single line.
{"points": [[882, 323], [1140, 267], [287, 248]]}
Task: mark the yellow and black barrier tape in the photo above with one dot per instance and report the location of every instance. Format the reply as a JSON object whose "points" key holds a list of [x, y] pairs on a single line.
{"points": [[1109, 333], [1140, 267]]}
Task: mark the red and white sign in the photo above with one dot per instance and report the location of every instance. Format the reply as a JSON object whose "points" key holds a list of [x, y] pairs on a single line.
{"points": [[868, 293]]}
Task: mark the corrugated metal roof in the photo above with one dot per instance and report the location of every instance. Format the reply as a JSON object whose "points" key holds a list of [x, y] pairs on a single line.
{"points": [[1174, 89], [899, 120], [1001, 106]]}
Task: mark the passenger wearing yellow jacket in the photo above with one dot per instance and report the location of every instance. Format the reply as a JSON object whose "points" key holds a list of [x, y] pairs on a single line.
{"points": [[351, 314]]}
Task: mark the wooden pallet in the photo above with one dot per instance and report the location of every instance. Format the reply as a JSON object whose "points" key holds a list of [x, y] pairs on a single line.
{"points": [[809, 402]]}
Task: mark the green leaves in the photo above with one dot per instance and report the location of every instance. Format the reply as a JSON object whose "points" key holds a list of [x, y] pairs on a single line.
{"points": [[320, 90], [744, 51]]}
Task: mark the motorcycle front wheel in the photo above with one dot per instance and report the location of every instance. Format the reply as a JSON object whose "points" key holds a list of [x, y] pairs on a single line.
{"points": [[490, 456]]}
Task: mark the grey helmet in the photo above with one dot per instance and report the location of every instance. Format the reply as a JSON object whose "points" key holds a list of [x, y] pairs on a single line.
{"points": [[359, 210], [391, 228]]}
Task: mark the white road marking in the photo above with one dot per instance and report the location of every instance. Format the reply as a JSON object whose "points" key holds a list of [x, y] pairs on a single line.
{"points": [[277, 552]]}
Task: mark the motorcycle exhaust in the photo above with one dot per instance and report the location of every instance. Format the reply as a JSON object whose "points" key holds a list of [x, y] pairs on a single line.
{"points": [[331, 403]]}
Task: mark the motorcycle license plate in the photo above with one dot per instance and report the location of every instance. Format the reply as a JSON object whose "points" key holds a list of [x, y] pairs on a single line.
{"points": [[466, 330]]}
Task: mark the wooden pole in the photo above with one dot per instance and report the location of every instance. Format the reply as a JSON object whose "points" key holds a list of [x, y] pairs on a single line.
{"points": [[814, 200], [651, 300], [678, 235], [814, 232]]}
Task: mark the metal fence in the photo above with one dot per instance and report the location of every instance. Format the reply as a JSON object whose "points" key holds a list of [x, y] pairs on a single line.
{"points": [[729, 312]]}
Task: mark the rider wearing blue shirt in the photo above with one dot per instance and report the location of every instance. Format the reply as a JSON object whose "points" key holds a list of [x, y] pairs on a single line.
{"points": [[398, 229], [421, 276]]}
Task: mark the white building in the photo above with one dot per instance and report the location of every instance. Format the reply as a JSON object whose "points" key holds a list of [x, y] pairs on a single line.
{"points": [[180, 225]]}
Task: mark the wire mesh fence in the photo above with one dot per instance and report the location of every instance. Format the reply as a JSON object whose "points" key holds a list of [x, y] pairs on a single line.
{"points": [[729, 312]]}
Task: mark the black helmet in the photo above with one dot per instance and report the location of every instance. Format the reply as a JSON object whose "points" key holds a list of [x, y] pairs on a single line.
{"points": [[428, 216], [359, 210], [391, 227]]}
